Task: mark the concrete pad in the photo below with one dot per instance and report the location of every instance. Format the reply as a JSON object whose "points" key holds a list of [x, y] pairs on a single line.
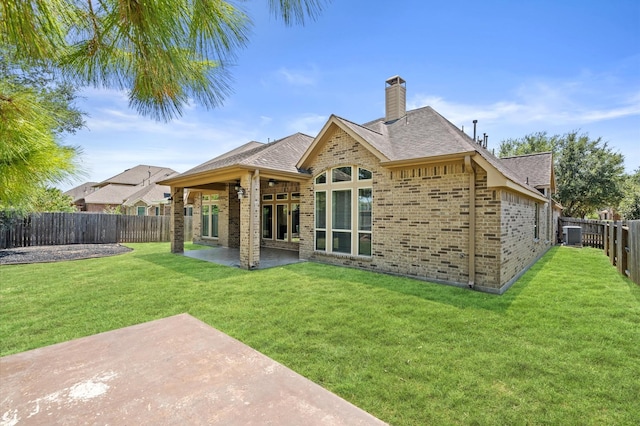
{"points": [[176, 370]]}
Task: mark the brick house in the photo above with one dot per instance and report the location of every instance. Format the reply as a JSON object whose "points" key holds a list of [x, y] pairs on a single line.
{"points": [[134, 192], [407, 194]]}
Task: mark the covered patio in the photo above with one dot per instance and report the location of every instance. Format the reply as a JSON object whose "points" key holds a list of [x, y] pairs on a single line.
{"points": [[229, 256]]}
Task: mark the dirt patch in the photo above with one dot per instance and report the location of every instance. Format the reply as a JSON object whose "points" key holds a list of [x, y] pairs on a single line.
{"points": [[42, 254]]}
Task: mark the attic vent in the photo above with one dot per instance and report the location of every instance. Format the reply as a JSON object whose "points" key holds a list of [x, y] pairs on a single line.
{"points": [[395, 98]]}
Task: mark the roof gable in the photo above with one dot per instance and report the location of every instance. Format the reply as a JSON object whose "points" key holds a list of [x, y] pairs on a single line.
{"points": [[376, 142]]}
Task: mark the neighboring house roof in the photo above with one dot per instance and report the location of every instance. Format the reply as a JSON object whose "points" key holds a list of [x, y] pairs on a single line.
{"points": [[149, 195], [536, 169], [141, 174], [81, 191], [111, 194]]}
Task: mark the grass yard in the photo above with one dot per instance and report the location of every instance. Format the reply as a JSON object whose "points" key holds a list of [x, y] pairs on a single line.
{"points": [[562, 346]]}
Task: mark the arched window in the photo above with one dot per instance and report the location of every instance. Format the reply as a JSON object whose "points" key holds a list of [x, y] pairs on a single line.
{"points": [[343, 208]]}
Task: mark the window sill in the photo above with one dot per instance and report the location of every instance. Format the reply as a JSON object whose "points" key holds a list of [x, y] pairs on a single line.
{"points": [[358, 258]]}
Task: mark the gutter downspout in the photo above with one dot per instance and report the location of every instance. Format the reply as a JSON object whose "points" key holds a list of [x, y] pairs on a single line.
{"points": [[472, 220]]}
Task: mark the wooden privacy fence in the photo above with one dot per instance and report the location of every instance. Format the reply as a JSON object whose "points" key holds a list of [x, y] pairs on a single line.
{"points": [[622, 245], [592, 230], [619, 240], [44, 229]]}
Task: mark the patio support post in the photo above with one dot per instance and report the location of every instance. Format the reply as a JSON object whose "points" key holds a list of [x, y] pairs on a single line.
{"points": [[250, 221], [176, 224]]}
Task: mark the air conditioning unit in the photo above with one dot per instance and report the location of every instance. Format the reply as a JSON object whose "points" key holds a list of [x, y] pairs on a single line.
{"points": [[572, 235]]}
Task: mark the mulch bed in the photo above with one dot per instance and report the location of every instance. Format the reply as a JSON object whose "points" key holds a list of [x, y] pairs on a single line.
{"points": [[42, 254]]}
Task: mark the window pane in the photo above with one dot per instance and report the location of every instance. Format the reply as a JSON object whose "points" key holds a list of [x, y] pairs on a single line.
{"points": [[364, 209], [140, 211], [321, 240], [341, 209], [267, 197], [205, 221], [267, 222], [214, 221], [295, 195], [282, 196], [364, 244], [341, 174], [321, 209], [342, 242], [322, 178], [295, 222], [364, 174], [281, 222]]}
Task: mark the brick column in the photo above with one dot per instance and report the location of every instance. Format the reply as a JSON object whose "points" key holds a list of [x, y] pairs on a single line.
{"points": [[250, 221], [176, 226]]}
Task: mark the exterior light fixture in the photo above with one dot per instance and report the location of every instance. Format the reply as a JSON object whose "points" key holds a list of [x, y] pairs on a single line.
{"points": [[272, 183], [237, 187], [240, 192]]}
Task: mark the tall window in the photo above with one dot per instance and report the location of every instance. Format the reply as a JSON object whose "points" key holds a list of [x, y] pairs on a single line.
{"points": [[343, 211], [210, 212], [281, 217], [141, 211]]}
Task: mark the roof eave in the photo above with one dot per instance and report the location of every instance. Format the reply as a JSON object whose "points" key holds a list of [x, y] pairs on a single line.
{"points": [[408, 162]]}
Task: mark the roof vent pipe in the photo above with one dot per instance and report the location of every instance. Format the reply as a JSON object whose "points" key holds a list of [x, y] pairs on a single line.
{"points": [[475, 122]]}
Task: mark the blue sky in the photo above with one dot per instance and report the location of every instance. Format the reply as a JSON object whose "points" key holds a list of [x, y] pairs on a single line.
{"points": [[516, 66]]}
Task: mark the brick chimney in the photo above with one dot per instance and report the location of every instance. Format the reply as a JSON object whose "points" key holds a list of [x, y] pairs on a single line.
{"points": [[395, 98]]}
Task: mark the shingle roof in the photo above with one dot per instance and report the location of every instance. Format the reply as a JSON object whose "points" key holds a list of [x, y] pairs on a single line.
{"points": [[148, 194], [534, 168], [81, 191], [111, 194], [139, 174], [280, 155]]}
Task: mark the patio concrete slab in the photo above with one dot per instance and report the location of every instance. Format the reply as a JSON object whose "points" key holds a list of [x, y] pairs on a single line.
{"points": [[176, 370], [269, 257]]}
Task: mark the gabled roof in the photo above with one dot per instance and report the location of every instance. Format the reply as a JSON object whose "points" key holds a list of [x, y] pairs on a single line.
{"points": [[81, 191], [421, 136], [148, 194], [138, 175], [278, 156], [536, 169], [111, 194]]}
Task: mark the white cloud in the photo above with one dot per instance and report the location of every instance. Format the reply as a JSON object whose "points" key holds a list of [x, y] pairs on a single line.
{"points": [[299, 77], [540, 102], [309, 124]]}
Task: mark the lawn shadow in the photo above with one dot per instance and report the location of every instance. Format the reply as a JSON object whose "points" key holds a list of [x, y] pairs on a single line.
{"points": [[197, 269], [459, 297]]}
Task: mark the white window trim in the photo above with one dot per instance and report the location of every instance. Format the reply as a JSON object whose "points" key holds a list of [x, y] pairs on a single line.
{"points": [[328, 188]]}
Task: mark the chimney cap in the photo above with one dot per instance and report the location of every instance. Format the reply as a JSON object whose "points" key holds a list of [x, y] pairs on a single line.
{"points": [[396, 79]]}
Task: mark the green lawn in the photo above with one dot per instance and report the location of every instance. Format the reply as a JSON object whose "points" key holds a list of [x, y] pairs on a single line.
{"points": [[562, 346]]}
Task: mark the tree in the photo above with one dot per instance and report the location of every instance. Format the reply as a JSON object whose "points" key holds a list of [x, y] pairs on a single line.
{"points": [[52, 200], [589, 174], [630, 204], [163, 52], [35, 112]]}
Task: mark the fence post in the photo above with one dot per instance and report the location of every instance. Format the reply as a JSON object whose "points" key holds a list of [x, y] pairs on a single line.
{"points": [[634, 251], [612, 243], [619, 248]]}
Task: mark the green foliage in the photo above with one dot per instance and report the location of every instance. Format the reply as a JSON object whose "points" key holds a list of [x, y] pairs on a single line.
{"points": [[529, 144], [51, 200], [35, 111], [630, 204], [163, 52], [589, 175], [559, 348], [113, 210]]}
